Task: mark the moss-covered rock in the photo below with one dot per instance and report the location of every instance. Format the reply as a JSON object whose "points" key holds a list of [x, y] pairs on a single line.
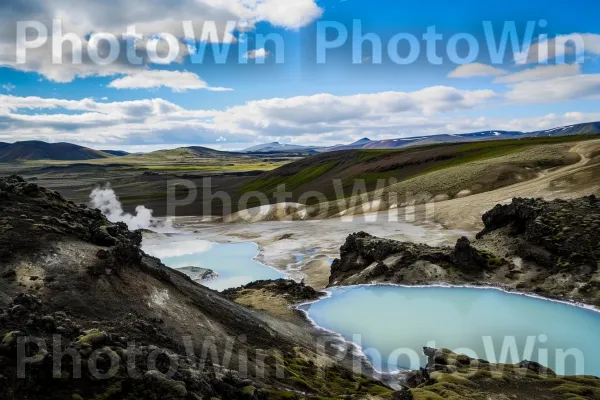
{"points": [[477, 379]]}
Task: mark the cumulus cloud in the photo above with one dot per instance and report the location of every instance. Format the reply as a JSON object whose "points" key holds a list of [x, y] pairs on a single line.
{"points": [[85, 17], [285, 13], [324, 108], [574, 45], [476, 70], [176, 80], [154, 121], [566, 88], [541, 72], [258, 115], [318, 119]]}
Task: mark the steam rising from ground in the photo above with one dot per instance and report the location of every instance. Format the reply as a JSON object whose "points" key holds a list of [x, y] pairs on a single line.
{"points": [[106, 200]]}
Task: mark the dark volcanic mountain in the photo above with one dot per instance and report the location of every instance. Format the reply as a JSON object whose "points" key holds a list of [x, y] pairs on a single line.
{"points": [[37, 150]]}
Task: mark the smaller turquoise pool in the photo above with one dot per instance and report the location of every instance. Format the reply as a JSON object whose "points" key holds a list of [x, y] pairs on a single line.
{"points": [[234, 263]]}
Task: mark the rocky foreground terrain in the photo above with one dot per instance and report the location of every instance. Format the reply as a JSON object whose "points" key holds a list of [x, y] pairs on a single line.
{"points": [[76, 290], [529, 245], [85, 314]]}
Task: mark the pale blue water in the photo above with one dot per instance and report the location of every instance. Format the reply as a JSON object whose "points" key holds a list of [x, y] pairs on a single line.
{"points": [[234, 263], [477, 322]]}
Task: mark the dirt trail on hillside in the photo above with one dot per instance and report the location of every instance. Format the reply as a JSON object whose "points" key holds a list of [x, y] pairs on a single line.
{"points": [[465, 213]]}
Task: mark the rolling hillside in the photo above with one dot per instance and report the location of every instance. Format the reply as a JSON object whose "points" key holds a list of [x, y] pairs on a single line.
{"points": [[182, 153], [318, 172], [37, 150]]}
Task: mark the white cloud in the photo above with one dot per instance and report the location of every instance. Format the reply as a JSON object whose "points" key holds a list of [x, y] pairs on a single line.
{"points": [[541, 72], [476, 70], [176, 80], [567, 88], [162, 121], [84, 17], [257, 54], [318, 119], [574, 45], [286, 13], [323, 108]]}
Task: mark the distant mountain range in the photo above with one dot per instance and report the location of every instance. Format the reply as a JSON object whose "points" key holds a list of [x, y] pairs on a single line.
{"points": [[276, 147], [359, 144], [38, 150], [428, 140], [366, 143]]}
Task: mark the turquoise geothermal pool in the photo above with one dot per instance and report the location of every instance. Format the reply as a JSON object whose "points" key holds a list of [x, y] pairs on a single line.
{"points": [[392, 324]]}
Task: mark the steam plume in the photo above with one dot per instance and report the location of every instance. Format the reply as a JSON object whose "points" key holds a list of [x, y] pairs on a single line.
{"points": [[106, 200]]}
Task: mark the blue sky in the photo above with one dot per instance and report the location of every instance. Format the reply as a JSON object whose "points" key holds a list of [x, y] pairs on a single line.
{"points": [[254, 98]]}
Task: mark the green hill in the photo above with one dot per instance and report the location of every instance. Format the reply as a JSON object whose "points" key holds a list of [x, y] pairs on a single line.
{"points": [[38, 150]]}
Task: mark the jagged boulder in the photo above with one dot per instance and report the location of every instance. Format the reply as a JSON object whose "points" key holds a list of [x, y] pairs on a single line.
{"points": [[382, 256]]}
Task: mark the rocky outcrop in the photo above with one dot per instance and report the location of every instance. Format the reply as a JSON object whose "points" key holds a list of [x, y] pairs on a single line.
{"points": [[530, 245], [568, 231], [294, 292], [31, 218], [457, 376], [365, 259]]}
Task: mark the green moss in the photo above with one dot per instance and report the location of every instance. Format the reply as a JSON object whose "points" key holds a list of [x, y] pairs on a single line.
{"points": [[300, 383], [322, 382], [9, 338], [484, 381], [426, 394], [92, 338], [110, 393], [249, 390], [455, 379], [280, 395], [495, 262]]}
